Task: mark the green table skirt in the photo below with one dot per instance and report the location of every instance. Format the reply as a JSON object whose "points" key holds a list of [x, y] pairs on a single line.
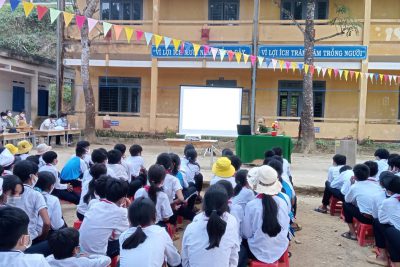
{"points": [[252, 147]]}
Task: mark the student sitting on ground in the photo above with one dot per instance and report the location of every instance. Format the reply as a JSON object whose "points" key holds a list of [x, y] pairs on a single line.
{"points": [[105, 221], [373, 170], [191, 168], [145, 243], [7, 161], [88, 189], [223, 170], [156, 176], [122, 148], [359, 200], [62, 191], [333, 173], [394, 165], [11, 189], [87, 155], [242, 192], [381, 158], [40, 150], [65, 250], [266, 221], [114, 163], [213, 236], [74, 169], [135, 161], [236, 162], [98, 156], [188, 190], [15, 239], [227, 152], [24, 147], [286, 165]]}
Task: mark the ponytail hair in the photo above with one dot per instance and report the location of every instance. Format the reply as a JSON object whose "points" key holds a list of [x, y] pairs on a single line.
{"points": [[96, 171], [156, 176], [241, 181], [270, 225], [215, 205], [141, 213], [176, 162]]}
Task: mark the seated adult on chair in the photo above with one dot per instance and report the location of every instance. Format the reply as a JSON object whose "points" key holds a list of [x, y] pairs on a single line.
{"points": [[50, 124]]}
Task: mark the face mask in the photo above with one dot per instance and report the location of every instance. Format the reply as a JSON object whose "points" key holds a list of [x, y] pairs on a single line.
{"points": [[51, 190], [13, 200], [9, 114], [34, 180], [29, 242], [88, 151]]}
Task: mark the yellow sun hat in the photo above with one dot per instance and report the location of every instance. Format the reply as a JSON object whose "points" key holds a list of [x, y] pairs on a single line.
{"points": [[223, 168], [24, 147], [13, 149]]}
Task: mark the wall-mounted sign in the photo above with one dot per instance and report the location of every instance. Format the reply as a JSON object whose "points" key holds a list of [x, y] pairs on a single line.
{"points": [[114, 123], [188, 51]]}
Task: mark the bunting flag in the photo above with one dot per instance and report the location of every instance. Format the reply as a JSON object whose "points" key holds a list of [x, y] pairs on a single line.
{"points": [[231, 54], [340, 74], [330, 73], [80, 20], [336, 71], [386, 78], [92, 23], [318, 70], [14, 4], [306, 67], [148, 36], [28, 7], [351, 74], [54, 13], [157, 40], [206, 49], [253, 60], [346, 74], [68, 18], [293, 65], [2, 3], [390, 79], [260, 61], [366, 75], [274, 62], [357, 74], [214, 52], [117, 30], [196, 49], [139, 35], [167, 42], [371, 76], [301, 66], [238, 56], [182, 47], [281, 63], [287, 65], [245, 58], [312, 69], [324, 72], [376, 76], [41, 11], [267, 61], [381, 77], [176, 43], [222, 53], [128, 33]]}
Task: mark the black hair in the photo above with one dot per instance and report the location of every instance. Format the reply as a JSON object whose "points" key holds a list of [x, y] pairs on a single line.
{"points": [[228, 187], [134, 186], [114, 156], [135, 150], [34, 159], [241, 181], [141, 213], [344, 168], [386, 177], [45, 181], [100, 186], [191, 155], [187, 147], [373, 167], [156, 176], [269, 153], [236, 162], [99, 156], [116, 189], [3, 114], [361, 172], [267, 160], [1, 169], [80, 151], [270, 225], [382, 153], [215, 204], [165, 160], [10, 183], [227, 152], [121, 148], [13, 224], [102, 149], [391, 158], [24, 169], [53, 116], [277, 166], [277, 151], [176, 162], [96, 171], [49, 156], [339, 159], [83, 144], [278, 158], [63, 242], [63, 115], [394, 162]]}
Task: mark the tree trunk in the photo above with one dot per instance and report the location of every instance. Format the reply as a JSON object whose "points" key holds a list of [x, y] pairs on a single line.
{"points": [[307, 135]]}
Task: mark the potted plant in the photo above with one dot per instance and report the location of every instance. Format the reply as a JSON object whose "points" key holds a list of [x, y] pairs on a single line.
{"points": [[275, 127]]}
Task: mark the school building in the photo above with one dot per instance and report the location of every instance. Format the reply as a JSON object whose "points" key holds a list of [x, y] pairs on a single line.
{"points": [[138, 86]]}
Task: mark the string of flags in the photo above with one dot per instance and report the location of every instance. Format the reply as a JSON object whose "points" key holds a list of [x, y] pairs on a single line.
{"points": [[180, 45]]}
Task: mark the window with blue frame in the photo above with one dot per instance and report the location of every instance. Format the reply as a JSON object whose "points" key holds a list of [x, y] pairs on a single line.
{"points": [[297, 8], [223, 9], [121, 9]]}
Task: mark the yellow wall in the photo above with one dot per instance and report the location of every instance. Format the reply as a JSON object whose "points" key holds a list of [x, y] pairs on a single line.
{"points": [[385, 9]]}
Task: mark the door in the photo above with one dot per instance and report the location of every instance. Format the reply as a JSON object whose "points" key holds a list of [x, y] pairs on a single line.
{"points": [[43, 103], [18, 102]]}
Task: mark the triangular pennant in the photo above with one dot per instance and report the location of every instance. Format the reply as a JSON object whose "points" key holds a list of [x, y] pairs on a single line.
{"points": [[381, 77], [260, 61], [91, 23], [128, 33], [245, 58], [238, 56], [330, 73], [230, 55], [274, 62], [14, 4], [294, 66], [281, 63], [346, 74], [398, 79], [318, 70], [157, 40], [148, 36], [267, 61], [301, 67], [196, 48], [176, 43], [182, 48], [386, 77], [222, 53], [323, 72], [68, 18], [253, 60], [2, 3], [106, 27], [54, 13], [214, 52], [312, 69], [28, 7], [206, 49], [357, 74], [306, 67], [41, 11], [167, 41], [340, 74], [139, 35], [336, 71], [366, 75], [287, 65], [80, 20], [117, 30], [390, 79], [376, 76], [351, 74]]}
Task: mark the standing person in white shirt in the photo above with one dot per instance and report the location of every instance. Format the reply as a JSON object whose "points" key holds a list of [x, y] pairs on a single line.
{"points": [[144, 243], [381, 157], [15, 239], [359, 200], [115, 163], [135, 161], [105, 221], [212, 238], [333, 173], [65, 250], [266, 219], [122, 149], [242, 192], [223, 170]]}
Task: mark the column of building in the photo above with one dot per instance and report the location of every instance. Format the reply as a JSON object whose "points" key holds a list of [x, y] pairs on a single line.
{"points": [[154, 72]]}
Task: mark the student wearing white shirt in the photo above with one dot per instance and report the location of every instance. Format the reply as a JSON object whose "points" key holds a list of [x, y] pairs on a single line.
{"points": [[146, 244], [212, 238], [105, 221], [15, 239], [122, 149], [7, 161], [11, 188], [191, 168], [333, 173], [286, 165], [135, 161], [373, 170], [242, 192], [266, 220], [24, 147], [64, 245], [156, 176], [114, 163], [394, 164], [381, 158], [359, 200], [98, 156], [223, 170]]}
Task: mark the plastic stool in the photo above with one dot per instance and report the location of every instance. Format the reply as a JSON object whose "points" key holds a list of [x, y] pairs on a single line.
{"points": [[78, 190], [364, 234], [282, 262], [77, 224], [171, 230], [335, 205], [179, 219], [114, 261]]}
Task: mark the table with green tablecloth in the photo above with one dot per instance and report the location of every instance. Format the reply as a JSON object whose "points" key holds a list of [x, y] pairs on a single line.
{"points": [[252, 147]]}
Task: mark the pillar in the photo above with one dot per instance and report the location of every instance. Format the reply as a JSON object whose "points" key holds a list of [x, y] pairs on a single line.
{"points": [[154, 73], [34, 95]]}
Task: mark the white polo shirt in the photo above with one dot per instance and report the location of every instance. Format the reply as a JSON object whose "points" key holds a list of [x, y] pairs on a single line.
{"points": [[195, 241], [82, 261], [163, 207], [157, 247], [104, 221], [377, 202], [19, 259], [382, 166], [87, 177], [389, 211], [343, 178], [189, 169], [265, 248], [333, 172], [55, 212], [216, 179], [346, 182], [238, 212], [362, 193], [135, 164], [119, 171], [245, 196], [53, 169], [171, 185], [286, 167]]}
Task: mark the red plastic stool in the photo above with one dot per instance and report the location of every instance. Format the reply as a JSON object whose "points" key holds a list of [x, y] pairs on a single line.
{"points": [[335, 205], [365, 234], [282, 262], [114, 261], [179, 220], [171, 230], [77, 224], [78, 190]]}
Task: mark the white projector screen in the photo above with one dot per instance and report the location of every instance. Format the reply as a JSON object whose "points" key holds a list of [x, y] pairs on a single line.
{"points": [[213, 111]]}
